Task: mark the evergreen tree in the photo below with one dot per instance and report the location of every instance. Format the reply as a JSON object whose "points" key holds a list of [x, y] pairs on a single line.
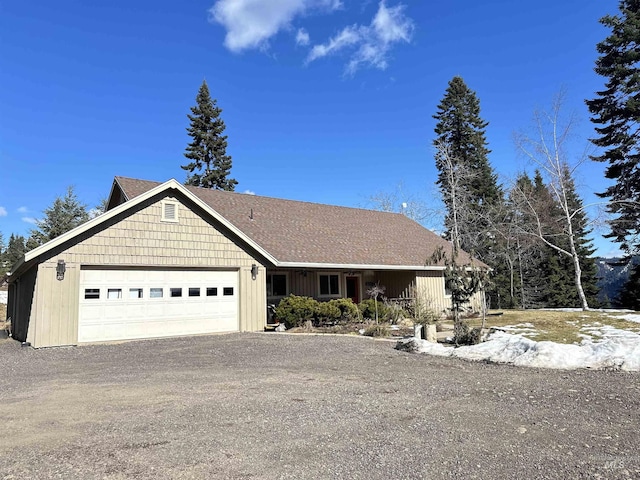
{"points": [[210, 165], [63, 215], [629, 296], [616, 111], [16, 248], [460, 127], [558, 268], [461, 130]]}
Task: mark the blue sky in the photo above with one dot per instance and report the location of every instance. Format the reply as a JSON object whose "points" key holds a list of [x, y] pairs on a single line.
{"points": [[324, 100]]}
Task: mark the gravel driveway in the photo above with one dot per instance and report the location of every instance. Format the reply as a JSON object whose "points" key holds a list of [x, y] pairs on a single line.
{"points": [[267, 406]]}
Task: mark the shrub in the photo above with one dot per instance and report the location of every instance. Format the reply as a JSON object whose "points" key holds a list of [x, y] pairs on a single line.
{"points": [[378, 330], [294, 311], [465, 336], [368, 309], [348, 310], [327, 312]]}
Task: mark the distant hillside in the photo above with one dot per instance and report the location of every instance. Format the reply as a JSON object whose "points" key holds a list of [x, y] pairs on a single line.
{"points": [[612, 274]]}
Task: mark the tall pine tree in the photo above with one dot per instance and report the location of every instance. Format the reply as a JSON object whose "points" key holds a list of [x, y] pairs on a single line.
{"points": [[460, 127], [616, 111], [210, 165], [461, 130]]}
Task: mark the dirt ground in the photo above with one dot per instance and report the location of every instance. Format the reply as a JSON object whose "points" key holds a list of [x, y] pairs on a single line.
{"points": [[270, 406]]}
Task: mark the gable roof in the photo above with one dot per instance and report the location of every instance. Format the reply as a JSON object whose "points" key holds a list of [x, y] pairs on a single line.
{"points": [[155, 188], [303, 234]]}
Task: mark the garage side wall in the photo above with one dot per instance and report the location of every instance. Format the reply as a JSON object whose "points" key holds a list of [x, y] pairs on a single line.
{"points": [[142, 239]]}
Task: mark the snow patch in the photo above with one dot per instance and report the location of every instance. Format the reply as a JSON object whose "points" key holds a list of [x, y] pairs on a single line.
{"points": [[4, 296], [613, 349], [630, 317]]}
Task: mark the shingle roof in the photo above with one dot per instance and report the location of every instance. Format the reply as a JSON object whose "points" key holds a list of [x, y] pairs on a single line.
{"points": [[311, 233]]}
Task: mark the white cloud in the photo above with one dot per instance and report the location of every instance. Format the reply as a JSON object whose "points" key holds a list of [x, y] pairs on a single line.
{"points": [[30, 220], [3, 212], [389, 26], [348, 36], [251, 23], [302, 37], [249, 192], [23, 210]]}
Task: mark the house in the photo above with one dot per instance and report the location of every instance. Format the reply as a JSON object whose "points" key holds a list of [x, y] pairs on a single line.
{"points": [[167, 260]]}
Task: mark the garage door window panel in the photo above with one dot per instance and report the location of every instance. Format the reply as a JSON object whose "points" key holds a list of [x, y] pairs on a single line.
{"points": [[227, 291], [114, 293], [212, 291], [92, 293], [135, 293], [175, 292], [194, 291], [155, 292]]}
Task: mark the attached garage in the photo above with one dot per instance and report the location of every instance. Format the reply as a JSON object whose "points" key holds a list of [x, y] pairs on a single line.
{"points": [[162, 264], [123, 304]]}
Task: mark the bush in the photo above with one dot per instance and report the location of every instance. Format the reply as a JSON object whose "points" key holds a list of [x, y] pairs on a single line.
{"points": [[465, 336], [294, 311], [348, 310], [368, 309], [327, 312], [378, 330]]}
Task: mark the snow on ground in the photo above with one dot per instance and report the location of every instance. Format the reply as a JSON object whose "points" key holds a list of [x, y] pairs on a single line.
{"points": [[629, 317], [3, 297], [613, 348]]}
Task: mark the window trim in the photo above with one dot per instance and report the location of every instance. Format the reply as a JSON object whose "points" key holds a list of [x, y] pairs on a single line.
{"points": [[330, 295], [286, 285], [164, 205]]}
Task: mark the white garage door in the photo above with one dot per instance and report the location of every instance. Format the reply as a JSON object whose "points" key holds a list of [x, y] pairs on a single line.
{"points": [[127, 304]]}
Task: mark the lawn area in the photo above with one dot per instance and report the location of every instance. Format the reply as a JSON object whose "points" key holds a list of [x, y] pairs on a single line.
{"points": [[556, 326]]}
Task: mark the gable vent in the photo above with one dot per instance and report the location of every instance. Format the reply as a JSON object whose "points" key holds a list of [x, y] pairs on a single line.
{"points": [[169, 211]]}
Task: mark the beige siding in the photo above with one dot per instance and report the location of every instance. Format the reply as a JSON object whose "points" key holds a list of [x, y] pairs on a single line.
{"points": [[142, 239], [430, 285]]}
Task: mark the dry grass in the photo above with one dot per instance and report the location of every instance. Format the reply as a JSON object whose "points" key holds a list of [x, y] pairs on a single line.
{"points": [[561, 327]]}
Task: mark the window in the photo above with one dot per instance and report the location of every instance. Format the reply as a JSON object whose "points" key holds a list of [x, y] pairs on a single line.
{"points": [[91, 293], [175, 292], [135, 293], [329, 285], [194, 292], [155, 293], [212, 291], [277, 285], [447, 290], [170, 211], [227, 291], [114, 293]]}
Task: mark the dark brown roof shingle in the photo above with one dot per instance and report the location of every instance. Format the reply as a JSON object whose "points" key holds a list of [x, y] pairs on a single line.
{"points": [[304, 232]]}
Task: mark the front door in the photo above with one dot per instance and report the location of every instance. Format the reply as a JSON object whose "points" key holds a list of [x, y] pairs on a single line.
{"points": [[353, 288]]}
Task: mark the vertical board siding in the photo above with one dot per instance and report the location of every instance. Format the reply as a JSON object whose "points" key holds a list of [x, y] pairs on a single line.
{"points": [[141, 239]]}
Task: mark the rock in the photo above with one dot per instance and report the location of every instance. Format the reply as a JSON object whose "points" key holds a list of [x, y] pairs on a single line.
{"points": [[281, 328], [408, 345]]}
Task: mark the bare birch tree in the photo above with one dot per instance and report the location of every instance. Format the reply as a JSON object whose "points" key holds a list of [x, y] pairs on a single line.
{"points": [[547, 150]]}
